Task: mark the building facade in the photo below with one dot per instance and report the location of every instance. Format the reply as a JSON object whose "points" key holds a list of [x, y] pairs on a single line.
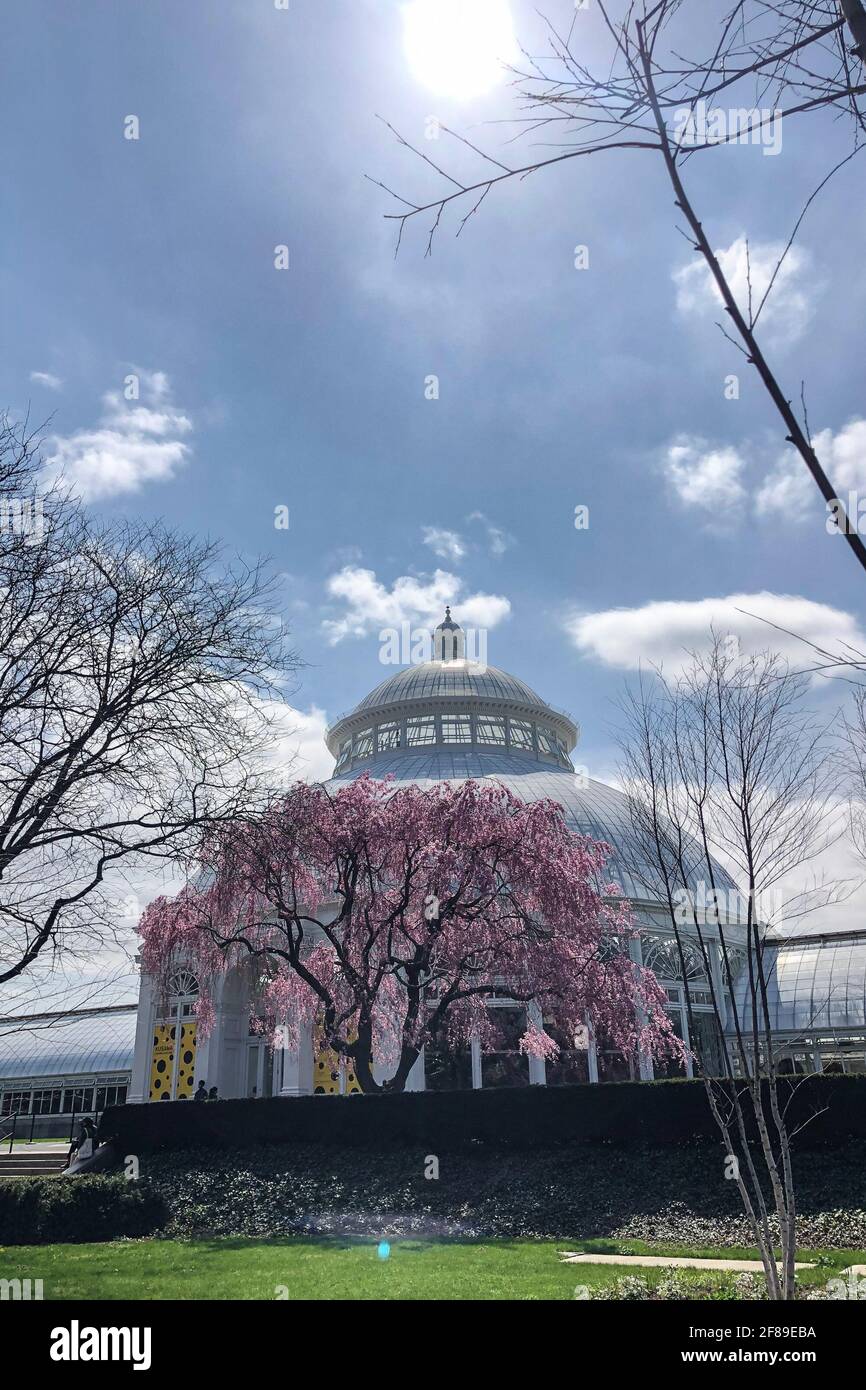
{"points": [[448, 719]]}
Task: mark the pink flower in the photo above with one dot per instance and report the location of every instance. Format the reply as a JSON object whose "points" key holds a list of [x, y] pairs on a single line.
{"points": [[325, 899]]}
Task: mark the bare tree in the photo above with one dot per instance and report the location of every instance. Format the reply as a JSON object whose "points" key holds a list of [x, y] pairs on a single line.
{"points": [[726, 764], [855, 732], [135, 670], [790, 58]]}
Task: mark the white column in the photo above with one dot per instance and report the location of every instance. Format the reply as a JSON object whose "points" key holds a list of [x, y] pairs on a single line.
{"points": [[476, 1064], [202, 1061], [537, 1073], [714, 950], [139, 1085], [592, 1057], [298, 1064], [645, 1062]]}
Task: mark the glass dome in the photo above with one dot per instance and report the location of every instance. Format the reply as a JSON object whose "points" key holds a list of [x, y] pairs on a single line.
{"points": [[591, 808], [451, 678], [451, 720]]}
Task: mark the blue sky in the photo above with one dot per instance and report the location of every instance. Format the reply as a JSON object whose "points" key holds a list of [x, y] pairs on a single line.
{"points": [[305, 387]]}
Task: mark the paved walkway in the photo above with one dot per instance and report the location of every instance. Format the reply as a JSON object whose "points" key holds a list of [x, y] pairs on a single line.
{"points": [[666, 1262]]}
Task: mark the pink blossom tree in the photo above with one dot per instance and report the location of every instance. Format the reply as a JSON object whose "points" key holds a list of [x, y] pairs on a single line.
{"points": [[389, 916]]}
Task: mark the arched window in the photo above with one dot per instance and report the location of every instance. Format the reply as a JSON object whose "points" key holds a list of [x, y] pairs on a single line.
{"points": [[736, 963], [182, 984], [662, 956]]}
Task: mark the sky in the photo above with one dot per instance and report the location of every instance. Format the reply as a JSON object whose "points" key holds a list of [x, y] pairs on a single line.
{"points": [[563, 379]]}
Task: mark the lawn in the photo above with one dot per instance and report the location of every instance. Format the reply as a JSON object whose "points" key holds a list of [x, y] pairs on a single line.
{"points": [[341, 1268], [32, 1143]]}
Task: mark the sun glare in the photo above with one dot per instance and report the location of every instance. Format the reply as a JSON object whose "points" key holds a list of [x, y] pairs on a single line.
{"points": [[457, 48]]}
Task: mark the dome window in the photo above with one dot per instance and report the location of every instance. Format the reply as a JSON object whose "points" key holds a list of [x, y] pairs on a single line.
{"points": [[456, 728], [547, 742], [490, 730], [388, 737], [363, 745], [420, 731], [520, 734]]}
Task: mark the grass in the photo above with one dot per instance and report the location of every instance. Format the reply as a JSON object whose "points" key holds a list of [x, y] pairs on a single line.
{"points": [[347, 1268], [31, 1143]]}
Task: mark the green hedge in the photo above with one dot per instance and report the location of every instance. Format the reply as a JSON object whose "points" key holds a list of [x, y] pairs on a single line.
{"points": [[658, 1112], [565, 1191], [42, 1211], [569, 1191]]}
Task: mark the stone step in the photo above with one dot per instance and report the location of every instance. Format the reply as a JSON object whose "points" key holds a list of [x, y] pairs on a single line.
{"points": [[22, 1165]]}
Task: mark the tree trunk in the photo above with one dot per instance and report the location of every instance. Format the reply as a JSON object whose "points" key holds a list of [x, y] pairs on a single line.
{"points": [[855, 18]]}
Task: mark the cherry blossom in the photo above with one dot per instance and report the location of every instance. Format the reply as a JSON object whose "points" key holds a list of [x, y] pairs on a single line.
{"points": [[390, 917]]}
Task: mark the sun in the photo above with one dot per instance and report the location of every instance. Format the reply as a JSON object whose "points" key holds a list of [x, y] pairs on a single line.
{"points": [[457, 48]]}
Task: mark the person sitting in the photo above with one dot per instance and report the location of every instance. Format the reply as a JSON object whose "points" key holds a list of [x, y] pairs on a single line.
{"points": [[84, 1144], [201, 1093], [212, 1093]]}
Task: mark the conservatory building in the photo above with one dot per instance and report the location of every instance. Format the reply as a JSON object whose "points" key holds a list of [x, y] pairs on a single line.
{"points": [[816, 998], [447, 719]]}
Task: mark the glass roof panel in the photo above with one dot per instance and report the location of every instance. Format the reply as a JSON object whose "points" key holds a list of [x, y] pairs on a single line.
{"points": [[812, 985], [88, 1044]]}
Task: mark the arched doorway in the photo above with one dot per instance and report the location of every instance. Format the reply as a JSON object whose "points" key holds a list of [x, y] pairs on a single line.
{"points": [[173, 1049]]}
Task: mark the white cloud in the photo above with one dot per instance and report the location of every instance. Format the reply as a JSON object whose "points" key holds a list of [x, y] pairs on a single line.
{"points": [[705, 477], [663, 633], [788, 309], [448, 545], [789, 490], [828, 893], [54, 383], [371, 606], [134, 443], [498, 540], [299, 745]]}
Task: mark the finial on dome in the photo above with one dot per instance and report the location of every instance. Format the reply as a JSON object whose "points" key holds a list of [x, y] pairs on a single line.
{"points": [[448, 623], [449, 643]]}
